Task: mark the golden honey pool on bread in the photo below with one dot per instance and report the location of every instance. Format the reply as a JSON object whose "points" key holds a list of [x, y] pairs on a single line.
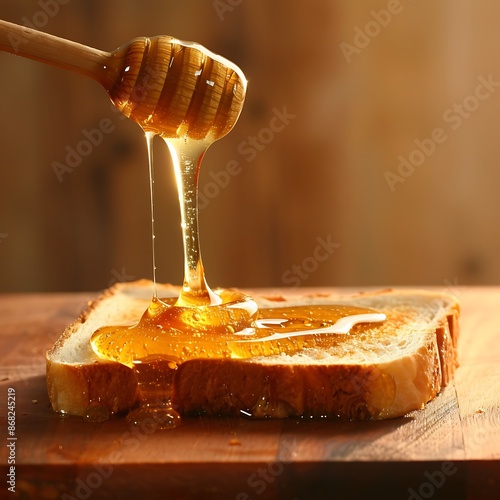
{"points": [[402, 364]]}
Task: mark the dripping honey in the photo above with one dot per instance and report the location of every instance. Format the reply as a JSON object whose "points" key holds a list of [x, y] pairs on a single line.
{"points": [[190, 97]]}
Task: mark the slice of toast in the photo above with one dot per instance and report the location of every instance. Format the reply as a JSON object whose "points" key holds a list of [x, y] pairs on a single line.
{"points": [[402, 364]]}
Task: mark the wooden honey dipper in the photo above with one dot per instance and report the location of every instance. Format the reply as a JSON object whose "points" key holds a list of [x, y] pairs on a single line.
{"points": [[177, 90], [169, 87]]}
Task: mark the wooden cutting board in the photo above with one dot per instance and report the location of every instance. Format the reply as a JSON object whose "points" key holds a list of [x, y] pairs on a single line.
{"points": [[449, 450]]}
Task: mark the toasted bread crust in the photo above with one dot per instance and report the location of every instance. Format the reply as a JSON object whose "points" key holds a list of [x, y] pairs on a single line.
{"points": [[76, 389], [352, 392], [276, 391], [262, 389]]}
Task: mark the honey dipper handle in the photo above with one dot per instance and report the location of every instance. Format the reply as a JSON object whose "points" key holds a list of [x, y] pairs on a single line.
{"points": [[33, 44]]}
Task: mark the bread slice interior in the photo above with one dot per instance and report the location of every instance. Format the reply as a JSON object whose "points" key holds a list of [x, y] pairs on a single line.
{"points": [[392, 368]]}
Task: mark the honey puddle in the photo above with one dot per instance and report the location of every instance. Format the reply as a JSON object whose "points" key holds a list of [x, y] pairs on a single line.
{"points": [[201, 98]]}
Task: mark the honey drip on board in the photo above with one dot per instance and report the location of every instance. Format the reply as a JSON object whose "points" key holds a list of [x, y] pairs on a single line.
{"points": [[197, 101]]}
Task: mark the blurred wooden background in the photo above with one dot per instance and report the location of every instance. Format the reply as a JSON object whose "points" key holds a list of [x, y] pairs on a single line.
{"points": [[358, 85]]}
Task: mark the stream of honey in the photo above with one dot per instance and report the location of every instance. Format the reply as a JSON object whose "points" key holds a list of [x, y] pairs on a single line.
{"points": [[201, 322]]}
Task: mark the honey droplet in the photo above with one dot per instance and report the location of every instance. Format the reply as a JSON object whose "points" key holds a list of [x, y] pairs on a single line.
{"points": [[96, 413]]}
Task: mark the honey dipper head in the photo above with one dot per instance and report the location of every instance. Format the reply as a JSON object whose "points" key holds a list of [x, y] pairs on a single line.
{"points": [[177, 89]]}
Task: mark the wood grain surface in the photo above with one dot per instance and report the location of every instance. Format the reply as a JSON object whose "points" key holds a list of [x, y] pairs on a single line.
{"points": [[449, 450]]}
